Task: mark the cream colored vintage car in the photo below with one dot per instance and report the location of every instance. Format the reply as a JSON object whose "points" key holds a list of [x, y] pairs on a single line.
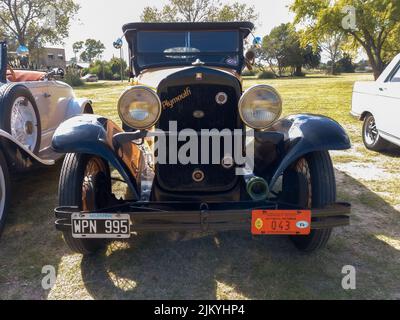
{"points": [[32, 106]]}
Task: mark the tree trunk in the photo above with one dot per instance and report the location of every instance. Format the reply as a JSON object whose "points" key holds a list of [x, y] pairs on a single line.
{"points": [[298, 71], [376, 62]]}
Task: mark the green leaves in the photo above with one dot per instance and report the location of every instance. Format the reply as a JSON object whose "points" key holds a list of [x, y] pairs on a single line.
{"points": [[35, 22], [377, 25], [199, 11], [92, 49]]}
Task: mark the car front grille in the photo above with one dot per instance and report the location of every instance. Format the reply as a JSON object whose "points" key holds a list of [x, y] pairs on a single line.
{"points": [[195, 107]]}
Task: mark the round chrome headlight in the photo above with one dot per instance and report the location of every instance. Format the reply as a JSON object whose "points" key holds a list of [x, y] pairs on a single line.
{"points": [[260, 106], [139, 107]]}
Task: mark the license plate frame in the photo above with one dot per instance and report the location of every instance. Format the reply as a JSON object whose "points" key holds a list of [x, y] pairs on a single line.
{"points": [[281, 222], [99, 226]]}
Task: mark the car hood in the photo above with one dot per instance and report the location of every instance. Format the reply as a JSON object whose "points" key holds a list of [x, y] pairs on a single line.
{"points": [[153, 77]]}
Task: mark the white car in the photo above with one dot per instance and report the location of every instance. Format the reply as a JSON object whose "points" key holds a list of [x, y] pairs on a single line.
{"points": [[90, 78], [378, 105], [32, 106]]}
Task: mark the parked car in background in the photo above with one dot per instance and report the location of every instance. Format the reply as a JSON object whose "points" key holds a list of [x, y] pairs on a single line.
{"points": [[188, 82], [32, 106], [378, 105], [90, 78]]}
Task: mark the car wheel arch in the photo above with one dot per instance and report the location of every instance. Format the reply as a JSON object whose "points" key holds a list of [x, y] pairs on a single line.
{"points": [[365, 114]]}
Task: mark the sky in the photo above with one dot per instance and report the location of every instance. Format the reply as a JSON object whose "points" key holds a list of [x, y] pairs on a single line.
{"points": [[103, 19]]}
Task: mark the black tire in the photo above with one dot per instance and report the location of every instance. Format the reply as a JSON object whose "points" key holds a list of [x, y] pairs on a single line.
{"points": [[5, 191], [8, 95], [371, 138], [322, 183], [71, 194], [88, 109]]}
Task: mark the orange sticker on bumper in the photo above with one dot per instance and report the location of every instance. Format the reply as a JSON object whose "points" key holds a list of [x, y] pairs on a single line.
{"points": [[281, 222]]}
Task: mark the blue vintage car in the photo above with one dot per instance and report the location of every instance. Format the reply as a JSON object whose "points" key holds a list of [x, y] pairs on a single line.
{"points": [[32, 106], [197, 152]]}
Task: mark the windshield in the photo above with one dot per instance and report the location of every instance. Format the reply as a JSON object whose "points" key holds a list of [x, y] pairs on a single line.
{"points": [[185, 47]]}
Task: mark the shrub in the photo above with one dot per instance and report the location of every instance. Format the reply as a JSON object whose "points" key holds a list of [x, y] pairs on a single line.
{"points": [[248, 73], [266, 75], [73, 78]]}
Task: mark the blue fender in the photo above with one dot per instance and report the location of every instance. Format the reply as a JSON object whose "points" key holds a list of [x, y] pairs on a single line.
{"points": [[91, 134], [301, 134]]}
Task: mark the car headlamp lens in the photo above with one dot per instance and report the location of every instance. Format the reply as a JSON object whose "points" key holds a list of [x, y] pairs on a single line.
{"points": [[139, 107], [260, 106]]}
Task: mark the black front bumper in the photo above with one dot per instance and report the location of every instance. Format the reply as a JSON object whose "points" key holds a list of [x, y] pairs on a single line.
{"points": [[187, 216]]}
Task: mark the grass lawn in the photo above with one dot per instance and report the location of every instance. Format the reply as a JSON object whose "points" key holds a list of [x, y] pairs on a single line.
{"points": [[227, 265]]}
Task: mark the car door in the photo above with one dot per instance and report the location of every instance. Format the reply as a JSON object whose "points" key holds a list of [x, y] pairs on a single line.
{"points": [[59, 96], [389, 99]]}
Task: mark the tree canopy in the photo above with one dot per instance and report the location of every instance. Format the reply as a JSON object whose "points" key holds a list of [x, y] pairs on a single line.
{"points": [[35, 22], [199, 11], [371, 25], [92, 49], [281, 49]]}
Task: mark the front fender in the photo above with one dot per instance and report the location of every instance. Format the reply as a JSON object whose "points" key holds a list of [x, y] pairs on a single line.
{"points": [[19, 155], [93, 134], [300, 135], [77, 106]]}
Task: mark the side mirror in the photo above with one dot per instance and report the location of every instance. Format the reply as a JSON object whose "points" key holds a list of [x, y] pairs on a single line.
{"points": [[118, 43]]}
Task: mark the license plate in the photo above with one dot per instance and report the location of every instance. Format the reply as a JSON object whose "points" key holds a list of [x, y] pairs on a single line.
{"points": [[281, 222], [100, 226]]}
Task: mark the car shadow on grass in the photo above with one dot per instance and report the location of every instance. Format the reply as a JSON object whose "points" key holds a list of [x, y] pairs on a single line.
{"points": [[236, 265], [193, 266], [393, 152], [30, 241]]}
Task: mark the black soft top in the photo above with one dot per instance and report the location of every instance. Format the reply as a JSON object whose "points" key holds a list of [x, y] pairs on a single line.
{"points": [[245, 26], [131, 30]]}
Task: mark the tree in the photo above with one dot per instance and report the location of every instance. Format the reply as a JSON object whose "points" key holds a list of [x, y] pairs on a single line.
{"points": [[281, 49], [77, 47], [93, 49], [345, 64], [32, 22], [116, 64], [236, 12], [274, 48], [332, 45], [375, 25], [199, 11]]}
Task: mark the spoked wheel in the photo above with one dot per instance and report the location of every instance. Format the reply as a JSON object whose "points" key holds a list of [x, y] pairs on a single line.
{"points": [[85, 182], [371, 137], [19, 116], [316, 188], [5, 192]]}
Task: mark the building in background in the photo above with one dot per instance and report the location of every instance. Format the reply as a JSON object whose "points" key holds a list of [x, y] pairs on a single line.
{"points": [[49, 58]]}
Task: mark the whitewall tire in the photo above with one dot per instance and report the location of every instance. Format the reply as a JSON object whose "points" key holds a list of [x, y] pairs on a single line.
{"points": [[5, 191]]}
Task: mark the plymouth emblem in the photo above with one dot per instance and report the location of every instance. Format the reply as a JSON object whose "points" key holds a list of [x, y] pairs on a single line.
{"points": [[169, 104]]}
